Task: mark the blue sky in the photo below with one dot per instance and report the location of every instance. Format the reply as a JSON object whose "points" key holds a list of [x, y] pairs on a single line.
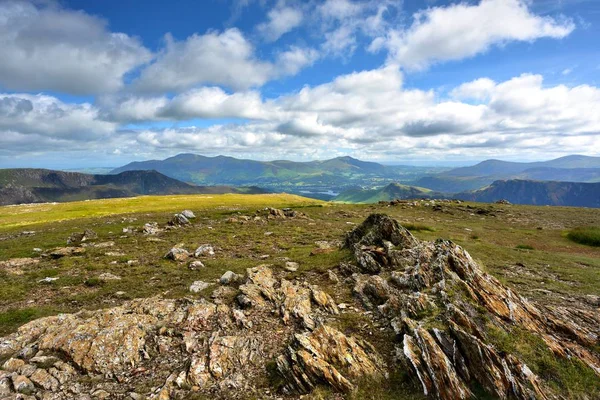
{"points": [[102, 83]]}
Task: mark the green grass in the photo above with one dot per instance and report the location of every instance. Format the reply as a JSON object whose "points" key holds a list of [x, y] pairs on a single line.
{"points": [[524, 247], [589, 235], [417, 227], [30, 214]]}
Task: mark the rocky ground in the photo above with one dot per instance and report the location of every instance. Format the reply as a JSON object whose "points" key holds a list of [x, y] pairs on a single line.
{"points": [[380, 313]]}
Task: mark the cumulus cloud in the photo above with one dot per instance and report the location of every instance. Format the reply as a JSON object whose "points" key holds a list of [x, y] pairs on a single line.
{"points": [[50, 48], [463, 30], [280, 21], [47, 116], [224, 59]]}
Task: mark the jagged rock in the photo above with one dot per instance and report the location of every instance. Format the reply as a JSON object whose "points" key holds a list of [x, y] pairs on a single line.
{"points": [[177, 254], [327, 356], [107, 276], [413, 284], [13, 365], [42, 378], [199, 286], [22, 384], [230, 277], [80, 237], [275, 213], [188, 214], [67, 252], [5, 386], [196, 265], [204, 250]]}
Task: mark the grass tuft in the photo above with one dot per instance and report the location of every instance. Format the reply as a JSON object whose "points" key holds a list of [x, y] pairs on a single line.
{"points": [[588, 235], [417, 227], [524, 247]]}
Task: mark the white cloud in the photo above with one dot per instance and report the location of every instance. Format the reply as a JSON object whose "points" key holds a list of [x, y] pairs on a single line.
{"points": [[479, 89], [213, 102], [41, 115], [463, 30], [281, 20], [49, 48], [225, 58]]}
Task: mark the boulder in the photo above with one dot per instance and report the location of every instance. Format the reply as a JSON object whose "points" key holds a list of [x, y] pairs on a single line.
{"points": [[67, 252], [179, 220], [199, 286], [80, 237], [196, 265], [229, 278]]}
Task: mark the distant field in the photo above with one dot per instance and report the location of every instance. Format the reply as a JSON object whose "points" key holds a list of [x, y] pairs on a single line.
{"points": [[29, 214]]}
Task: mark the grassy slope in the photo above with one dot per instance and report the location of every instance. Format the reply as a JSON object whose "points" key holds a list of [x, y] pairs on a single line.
{"points": [[31, 214], [556, 271]]}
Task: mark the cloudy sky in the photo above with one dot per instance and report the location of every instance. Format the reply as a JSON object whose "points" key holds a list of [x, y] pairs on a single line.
{"points": [[101, 83]]}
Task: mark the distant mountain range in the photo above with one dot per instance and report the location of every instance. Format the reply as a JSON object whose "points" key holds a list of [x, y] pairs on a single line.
{"points": [[387, 193], [541, 193], [19, 186], [573, 168], [314, 178]]}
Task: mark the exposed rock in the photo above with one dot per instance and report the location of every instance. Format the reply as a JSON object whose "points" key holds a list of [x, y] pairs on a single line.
{"points": [[80, 237], [177, 254], [179, 220], [48, 279], [199, 286], [188, 214], [107, 276], [327, 356], [67, 252], [196, 265], [292, 266], [43, 379], [204, 250], [22, 384], [229, 278], [439, 281], [14, 266], [151, 228]]}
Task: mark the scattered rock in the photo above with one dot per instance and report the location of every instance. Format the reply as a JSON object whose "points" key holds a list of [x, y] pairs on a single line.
{"points": [[204, 250], [14, 266], [67, 252], [199, 286], [177, 254], [107, 276], [48, 279], [292, 266], [80, 237], [188, 214], [22, 384], [229, 278], [503, 201], [179, 220], [151, 228], [196, 265]]}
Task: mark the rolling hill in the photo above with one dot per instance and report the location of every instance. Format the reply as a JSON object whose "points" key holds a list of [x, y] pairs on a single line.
{"points": [[574, 168], [19, 186], [552, 193], [387, 193], [313, 178]]}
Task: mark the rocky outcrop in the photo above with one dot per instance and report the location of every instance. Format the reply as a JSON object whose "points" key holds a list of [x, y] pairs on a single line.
{"points": [[182, 346], [417, 286]]}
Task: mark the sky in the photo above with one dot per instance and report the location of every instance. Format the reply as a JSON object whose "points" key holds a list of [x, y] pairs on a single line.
{"points": [[102, 83]]}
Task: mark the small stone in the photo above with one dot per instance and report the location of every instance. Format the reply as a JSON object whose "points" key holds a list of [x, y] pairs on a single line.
{"points": [[292, 266], [132, 262], [199, 286], [264, 256], [179, 220], [196, 265], [37, 250], [48, 279], [268, 233], [120, 293], [332, 276], [204, 250]]}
